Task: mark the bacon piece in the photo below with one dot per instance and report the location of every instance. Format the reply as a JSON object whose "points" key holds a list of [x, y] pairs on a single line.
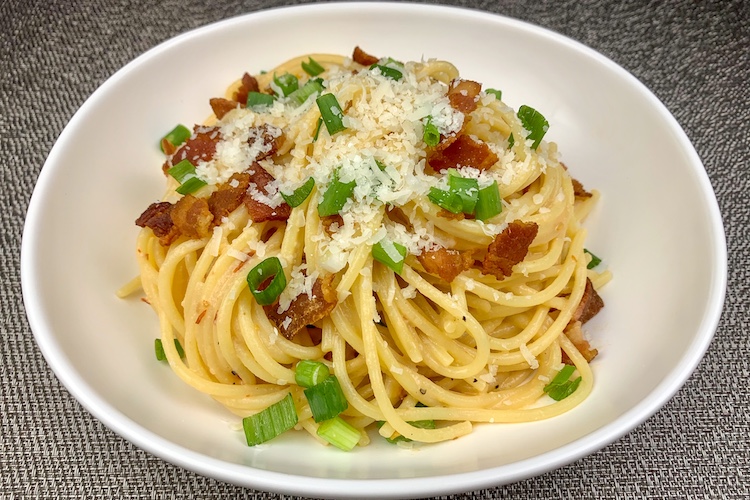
{"points": [[267, 138], [201, 146], [464, 94], [575, 334], [361, 57], [591, 303], [445, 214], [579, 191], [304, 310], [249, 84], [192, 216], [446, 262], [221, 106], [227, 197], [328, 222], [509, 248], [398, 216], [259, 211], [463, 152], [158, 217]]}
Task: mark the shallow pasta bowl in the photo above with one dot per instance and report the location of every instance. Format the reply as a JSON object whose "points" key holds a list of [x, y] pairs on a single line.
{"points": [[658, 229]]}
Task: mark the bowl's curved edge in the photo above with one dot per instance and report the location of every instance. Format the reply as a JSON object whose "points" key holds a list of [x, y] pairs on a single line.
{"points": [[392, 488]]}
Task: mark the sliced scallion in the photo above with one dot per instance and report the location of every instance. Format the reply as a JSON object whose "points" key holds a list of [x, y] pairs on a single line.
{"points": [[285, 84], [511, 141], [431, 135], [465, 187], [497, 93], [595, 261], [534, 122], [184, 173], [388, 71], [159, 349], [335, 196], [339, 433], [304, 92], [309, 373], [257, 101], [560, 387], [390, 253], [489, 203], [269, 269], [331, 112], [448, 200], [176, 136], [326, 399], [312, 67], [269, 423], [300, 194]]}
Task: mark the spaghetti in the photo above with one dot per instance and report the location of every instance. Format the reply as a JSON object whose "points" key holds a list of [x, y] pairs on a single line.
{"points": [[426, 301]]}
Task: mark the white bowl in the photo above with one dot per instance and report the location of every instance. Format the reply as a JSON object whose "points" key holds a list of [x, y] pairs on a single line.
{"points": [[658, 228]]}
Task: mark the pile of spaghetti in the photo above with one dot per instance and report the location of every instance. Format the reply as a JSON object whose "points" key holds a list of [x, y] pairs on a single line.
{"points": [[386, 233]]}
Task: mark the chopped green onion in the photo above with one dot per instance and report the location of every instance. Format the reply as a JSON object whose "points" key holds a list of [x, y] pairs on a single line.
{"points": [[159, 349], [466, 188], [257, 101], [335, 196], [390, 253], [300, 194], [309, 373], [268, 269], [285, 84], [387, 71], [326, 399], [269, 423], [534, 122], [497, 93], [380, 164], [312, 67], [560, 387], [511, 141], [489, 203], [446, 199], [431, 134], [339, 433], [301, 94], [176, 136], [595, 261], [331, 112], [184, 173]]}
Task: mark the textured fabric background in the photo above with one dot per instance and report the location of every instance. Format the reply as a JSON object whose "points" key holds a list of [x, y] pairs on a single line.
{"points": [[694, 55]]}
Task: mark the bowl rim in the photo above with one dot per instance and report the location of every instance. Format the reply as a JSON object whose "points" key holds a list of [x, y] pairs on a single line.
{"points": [[373, 488]]}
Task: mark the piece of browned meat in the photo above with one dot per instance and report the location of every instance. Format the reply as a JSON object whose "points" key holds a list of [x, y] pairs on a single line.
{"points": [[464, 94], [463, 151], [446, 262], [361, 57], [304, 310], [509, 248]]}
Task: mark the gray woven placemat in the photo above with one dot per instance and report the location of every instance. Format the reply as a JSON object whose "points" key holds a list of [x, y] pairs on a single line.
{"points": [[695, 56]]}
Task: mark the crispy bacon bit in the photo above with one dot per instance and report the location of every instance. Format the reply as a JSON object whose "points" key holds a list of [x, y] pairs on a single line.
{"points": [[328, 222], [192, 216], [201, 146], [445, 262], [304, 310], [228, 196], [575, 334], [221, 106], [259, 211], [363, 58], [398, 216], [579, 191], [463, 152], [445, 214], [591, 303], [158, 217], [270, 142], [509, 248], [464, 94], [249, 84]]}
